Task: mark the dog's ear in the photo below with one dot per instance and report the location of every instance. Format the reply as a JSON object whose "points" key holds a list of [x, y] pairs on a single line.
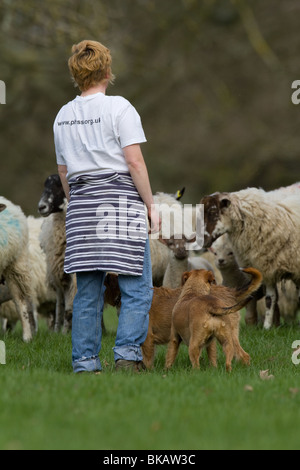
{"points": [[210, 278], [185, 277], [2, 207]]}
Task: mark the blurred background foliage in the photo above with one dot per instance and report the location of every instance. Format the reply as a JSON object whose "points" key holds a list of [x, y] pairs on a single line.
{"points": [[211, 80]]}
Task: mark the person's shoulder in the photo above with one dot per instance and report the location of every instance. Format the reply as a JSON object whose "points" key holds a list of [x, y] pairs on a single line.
{"points": [[117, 98], [117, 101]]}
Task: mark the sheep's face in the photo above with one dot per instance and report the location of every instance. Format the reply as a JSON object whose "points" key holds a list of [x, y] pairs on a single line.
{"points": [[179, 245], [215, 220], [224, 258], [223, 252], [53, 197]]}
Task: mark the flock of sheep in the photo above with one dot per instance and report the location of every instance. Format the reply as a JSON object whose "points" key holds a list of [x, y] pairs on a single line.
{"points": [[247, 228]]}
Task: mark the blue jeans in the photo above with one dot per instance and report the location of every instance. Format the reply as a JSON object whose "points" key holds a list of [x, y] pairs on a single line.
{"points": [[136, 299]]}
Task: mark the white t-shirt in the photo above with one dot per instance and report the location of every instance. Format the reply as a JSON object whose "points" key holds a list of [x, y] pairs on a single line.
{"points": [[90, 133]]}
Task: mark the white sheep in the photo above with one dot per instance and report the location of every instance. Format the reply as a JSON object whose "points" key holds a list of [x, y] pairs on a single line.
{"points": [[42, 295], [178, 260], [53, 206], [4, 293], [14, 266], [204, 261], [174, 220], [160, 260], [288, 300], [233, 276], [181, 261], [264, 229]]}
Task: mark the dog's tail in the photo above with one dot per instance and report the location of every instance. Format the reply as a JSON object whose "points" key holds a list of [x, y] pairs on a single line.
{"points": [[256, 281], [243, 295], [217, 307]]}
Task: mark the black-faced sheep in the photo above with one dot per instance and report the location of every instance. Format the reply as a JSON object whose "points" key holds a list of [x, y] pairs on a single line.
{"points": [[264, 230], [53, 206], [14, 267]]}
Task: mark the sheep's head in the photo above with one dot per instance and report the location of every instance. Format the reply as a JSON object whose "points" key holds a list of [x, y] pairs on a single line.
{"points": [[53, 198], [178, 244], [215, 206], [2, 207], [223, 251]]}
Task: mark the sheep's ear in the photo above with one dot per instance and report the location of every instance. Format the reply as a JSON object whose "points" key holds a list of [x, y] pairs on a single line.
{"points": [[190, 240], [224, 203], [164, 241], [179, 193], [2, 207], [167, 241]]}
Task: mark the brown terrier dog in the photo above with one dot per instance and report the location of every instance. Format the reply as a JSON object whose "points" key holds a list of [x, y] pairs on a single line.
{"points": [[160, 321], [200, 315], [160, 316]]}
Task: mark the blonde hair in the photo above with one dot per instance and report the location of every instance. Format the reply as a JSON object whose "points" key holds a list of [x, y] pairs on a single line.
{"points": [[90, 64]]}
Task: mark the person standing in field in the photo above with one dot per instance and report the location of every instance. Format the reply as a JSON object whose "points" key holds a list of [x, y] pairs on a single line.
{"points": [[105, 179]]}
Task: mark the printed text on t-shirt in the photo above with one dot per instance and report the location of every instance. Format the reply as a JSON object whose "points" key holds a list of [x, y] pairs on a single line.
{"points": [[79, 121]]}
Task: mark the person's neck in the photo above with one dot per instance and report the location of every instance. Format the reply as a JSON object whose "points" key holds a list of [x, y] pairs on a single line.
{"points": [[101, 88]]}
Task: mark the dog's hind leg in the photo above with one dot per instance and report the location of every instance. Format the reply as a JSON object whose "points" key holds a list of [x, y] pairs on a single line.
{"points": [[212, 353], [195, 350], [173, 347], [224, 335], [229, 353], [239, 353]]}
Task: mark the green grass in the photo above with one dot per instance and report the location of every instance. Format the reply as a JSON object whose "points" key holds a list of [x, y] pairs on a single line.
{"points": [[45, 406]]}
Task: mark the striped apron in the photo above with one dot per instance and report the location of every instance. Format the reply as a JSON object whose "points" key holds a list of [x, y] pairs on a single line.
{"points": [[106, 225]]}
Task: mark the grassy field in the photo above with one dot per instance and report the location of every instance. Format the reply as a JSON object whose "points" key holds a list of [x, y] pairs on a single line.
{"points": [[45, 406]]}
